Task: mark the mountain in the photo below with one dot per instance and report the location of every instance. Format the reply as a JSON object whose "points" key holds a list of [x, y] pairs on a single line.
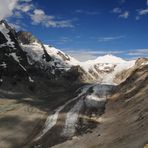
{"points": [[30, 53], [27, 53], [103, 66], [49, 99]]}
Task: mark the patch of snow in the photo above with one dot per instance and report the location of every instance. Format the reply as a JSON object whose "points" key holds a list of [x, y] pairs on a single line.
{"points": [[93, 101], [3, 65], [30, 79], [15, 57], [35, 53], [71, 119], [108, 79], [145, 63], [95, 98], [5, 32], [22, 67], [98, 97], [54, 52]]}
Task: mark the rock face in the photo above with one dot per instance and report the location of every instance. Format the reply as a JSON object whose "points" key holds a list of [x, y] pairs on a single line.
{"points": [[141, 61], [13, 60], [26, 37], [22, 53]]}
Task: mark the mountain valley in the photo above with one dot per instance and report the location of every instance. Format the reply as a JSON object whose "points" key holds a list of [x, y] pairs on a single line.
{"points": [[50, 99]]}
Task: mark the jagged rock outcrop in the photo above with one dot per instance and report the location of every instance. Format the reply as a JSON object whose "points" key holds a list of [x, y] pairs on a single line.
{"points": [[77, 74], [26, 37], [13, 60]]}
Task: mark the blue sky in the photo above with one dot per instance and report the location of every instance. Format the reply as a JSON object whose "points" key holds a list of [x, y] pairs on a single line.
{"points": [[84, 28]]}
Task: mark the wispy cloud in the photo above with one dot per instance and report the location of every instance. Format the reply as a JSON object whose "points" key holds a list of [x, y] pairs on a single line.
{"points": [[25, 0], [7, 7], [121, 14], [63, 40], [124, 15], [39, 17], [87, 12], [25, 7], [107, 39], [16, 26], [117, 10], [88, 54], [60, 40], [143, 12], [139, 52]]}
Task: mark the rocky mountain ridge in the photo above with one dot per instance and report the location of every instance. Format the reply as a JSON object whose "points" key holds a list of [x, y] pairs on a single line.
{"points": [[30, 53]]}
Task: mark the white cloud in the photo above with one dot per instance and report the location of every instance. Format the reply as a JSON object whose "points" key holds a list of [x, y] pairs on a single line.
{"points": [[15, 26], [121, 13], [117, 10], [137, 17], [65, 39], [18, 14], [124, 15], [87, 12], [25, 7], [143, 12], [139, 52], [107, 39], [18, 8], [25, 0], [61, 40], [39, 17], [7, 7]]}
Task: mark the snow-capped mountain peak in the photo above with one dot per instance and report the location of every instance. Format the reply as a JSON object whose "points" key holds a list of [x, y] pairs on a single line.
{"points": [[109, 58]]}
